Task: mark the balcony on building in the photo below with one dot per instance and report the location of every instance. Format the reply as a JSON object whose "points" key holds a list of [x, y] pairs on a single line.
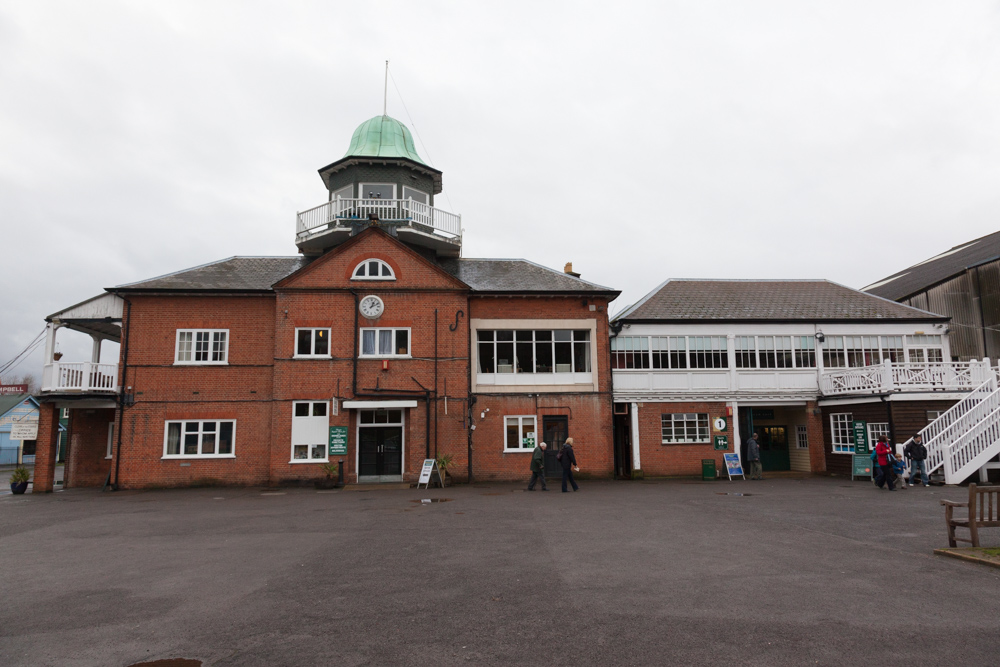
{"points": [[100, 318], [410, 220], [895, 377]]}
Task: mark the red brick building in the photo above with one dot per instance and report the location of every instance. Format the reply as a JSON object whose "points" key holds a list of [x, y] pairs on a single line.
{"points": [[378, 345]]}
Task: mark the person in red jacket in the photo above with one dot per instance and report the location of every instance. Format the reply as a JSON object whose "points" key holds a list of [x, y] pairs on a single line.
{"points": [[885, 458]]}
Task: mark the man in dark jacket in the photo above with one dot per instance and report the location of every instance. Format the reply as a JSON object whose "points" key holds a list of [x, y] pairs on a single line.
{"points": [[568, 461], [917, 453], [538, 467], [753, 456]]}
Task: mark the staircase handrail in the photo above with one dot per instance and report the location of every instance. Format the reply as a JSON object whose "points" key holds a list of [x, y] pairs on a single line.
{"points": [[940, 434], [975, 446]]}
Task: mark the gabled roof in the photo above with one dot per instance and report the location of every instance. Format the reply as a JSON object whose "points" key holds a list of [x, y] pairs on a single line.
{"points": [[518, 276], [235, 274], [937, 269], [10, 401], [767, 300]]}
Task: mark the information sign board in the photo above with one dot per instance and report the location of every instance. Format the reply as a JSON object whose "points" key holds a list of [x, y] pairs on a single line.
{"points": [[860, 430], [722, 442], [862, 466], [13, 389], [27, 431], [429, 468], [528, 440], [762, 413], [338, 440], [733, 466]]}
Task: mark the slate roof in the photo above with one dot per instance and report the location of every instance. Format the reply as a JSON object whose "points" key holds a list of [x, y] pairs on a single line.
{"points": [[259, 273], [517, 275], [241, 274], [938, 269], [766, 300]]}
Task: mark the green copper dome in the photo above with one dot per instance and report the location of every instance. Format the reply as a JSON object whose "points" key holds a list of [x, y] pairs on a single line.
{"points": [[383, 136]]}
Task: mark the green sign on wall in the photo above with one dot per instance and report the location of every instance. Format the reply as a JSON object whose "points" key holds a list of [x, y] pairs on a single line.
{"points": [[338, 440], [722, 442], [860, 430]]}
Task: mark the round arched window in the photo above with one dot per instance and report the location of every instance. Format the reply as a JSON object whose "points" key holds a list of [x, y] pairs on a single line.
{"points": [[373, 269]]}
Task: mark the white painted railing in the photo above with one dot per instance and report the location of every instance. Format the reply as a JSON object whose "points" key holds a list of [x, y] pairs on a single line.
{"points": [[80, 376], [909, 376], [341, 212]]}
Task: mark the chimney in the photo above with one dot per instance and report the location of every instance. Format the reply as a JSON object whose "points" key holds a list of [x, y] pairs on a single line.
{"points": [[569, 269]]}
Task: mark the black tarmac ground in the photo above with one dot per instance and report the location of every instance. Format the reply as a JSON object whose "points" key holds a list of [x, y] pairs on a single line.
{"points": [[818, 571]]}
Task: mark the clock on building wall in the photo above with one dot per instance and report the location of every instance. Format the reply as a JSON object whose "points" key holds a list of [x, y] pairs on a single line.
{"points": [[371, 307]]}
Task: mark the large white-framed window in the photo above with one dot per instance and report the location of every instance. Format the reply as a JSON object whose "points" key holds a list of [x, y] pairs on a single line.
{"points": [[629, 352], [310, 431], [534, 350], [833, 352], [111, 440], [415, 195], [708, 352], [373, 269], [924, 348], [805, 351], [519, 433], [684, 427], [801, 436], [199, 439], [312, 342], [385, 342], [202, 346], [840, 431], [669, 351], [746, 352], [377, 191], [875, 431]]}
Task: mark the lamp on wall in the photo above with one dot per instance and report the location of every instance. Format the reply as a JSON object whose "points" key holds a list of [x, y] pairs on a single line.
{"points": [[820, 337]]}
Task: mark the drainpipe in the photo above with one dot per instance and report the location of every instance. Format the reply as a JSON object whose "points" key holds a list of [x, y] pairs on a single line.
{"points": [[435, 383], [615, 328], [472, 397], [121, 390], [354, 372]]}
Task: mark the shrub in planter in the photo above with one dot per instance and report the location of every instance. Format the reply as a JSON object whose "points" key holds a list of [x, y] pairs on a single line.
{"points": [[19, 480], [443, 462], [330, 481]]}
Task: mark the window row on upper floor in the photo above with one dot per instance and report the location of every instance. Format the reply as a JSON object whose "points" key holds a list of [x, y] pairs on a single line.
{"points": [[534, 351], [211, 346], [684, 352]]}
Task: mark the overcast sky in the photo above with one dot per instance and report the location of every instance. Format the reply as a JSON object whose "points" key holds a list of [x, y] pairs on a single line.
{"points": [[640, 141]]}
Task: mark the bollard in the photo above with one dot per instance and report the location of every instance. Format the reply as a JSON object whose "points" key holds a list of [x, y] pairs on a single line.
{"points": [[340, 472]]}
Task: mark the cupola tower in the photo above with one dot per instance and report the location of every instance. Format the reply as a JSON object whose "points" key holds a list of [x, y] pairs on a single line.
{"points": [[381, 180]]}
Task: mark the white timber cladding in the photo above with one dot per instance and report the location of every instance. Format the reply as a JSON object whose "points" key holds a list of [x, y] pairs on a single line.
{"points": [[741, 381], [536, 382]]}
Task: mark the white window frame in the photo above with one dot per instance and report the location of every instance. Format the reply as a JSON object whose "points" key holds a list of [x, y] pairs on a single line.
{"points": [[377, 355], [336, 194], [362, 186], [535, 344], [683, 419], [111, 440], [836, 440], [308, 441], [194, 338], [875, 430], [381, 263], [520, 429], [801, 436], [200, 422], [425, 194], [312, 343]]}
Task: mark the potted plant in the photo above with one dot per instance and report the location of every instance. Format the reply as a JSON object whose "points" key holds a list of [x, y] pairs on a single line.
{"points": [[56, 356], [330, 481], [19, 480], [443, 462]]}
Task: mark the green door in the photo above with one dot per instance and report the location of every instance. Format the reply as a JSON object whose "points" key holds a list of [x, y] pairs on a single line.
{"points": [[774, 448]]}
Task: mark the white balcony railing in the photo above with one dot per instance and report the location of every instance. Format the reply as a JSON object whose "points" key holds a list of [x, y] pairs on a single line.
{"points": [[341, 212], [80, 376], [909, 376]]}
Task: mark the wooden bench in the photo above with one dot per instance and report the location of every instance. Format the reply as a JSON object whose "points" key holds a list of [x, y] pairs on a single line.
{"points": [[984, 507]]}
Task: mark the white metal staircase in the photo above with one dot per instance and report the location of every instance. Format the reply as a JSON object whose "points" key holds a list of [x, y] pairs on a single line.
{"points": [[965, 438]]}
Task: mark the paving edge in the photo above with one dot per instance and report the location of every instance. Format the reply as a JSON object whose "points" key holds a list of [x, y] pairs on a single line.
{"points": [[965, 556]]}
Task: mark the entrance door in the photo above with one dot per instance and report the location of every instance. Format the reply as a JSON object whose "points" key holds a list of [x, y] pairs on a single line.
{"points": [[380, 454], [774, 447], [555, 430], [623, 446]]}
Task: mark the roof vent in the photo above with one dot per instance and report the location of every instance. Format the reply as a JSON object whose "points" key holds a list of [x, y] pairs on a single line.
{"points": [[569, 269]]}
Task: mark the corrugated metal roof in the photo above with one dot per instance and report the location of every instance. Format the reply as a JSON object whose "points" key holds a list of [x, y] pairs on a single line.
{"points": [[383, 136], [761, 300], [939, 268]]}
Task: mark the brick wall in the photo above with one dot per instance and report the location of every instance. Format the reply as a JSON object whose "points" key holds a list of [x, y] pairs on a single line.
{"points": [[659, 460], [86, 462]]}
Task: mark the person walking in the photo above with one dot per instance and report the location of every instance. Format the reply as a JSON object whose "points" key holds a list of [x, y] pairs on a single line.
{"points": [[916, 452], [538, 467], [899, 468], [567, 459], [753, 456], [883, 453]]}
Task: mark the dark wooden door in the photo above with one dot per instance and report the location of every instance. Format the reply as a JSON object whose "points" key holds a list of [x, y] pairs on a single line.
{"points": [[555, 430], [380, 451], [774, 448]]}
